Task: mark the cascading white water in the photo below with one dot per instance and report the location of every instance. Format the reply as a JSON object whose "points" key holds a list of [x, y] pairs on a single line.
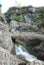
{"points": [[20, 50]]}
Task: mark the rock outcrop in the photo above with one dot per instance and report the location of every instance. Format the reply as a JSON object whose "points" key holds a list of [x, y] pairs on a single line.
{"points": [[23, 26], [36, 62], [27, 35], [9, 36], [6, 58], [34, 42], [5, 37]]}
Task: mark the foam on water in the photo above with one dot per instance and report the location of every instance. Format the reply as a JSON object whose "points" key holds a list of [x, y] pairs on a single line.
{"points": [[20, 50]]}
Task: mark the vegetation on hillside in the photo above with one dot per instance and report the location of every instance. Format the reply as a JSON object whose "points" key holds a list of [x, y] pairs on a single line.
{"points": [[38, 15], [18, 18]]}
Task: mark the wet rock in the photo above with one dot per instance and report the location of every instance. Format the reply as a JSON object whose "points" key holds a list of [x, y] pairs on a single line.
{"points": [[39, 50], [33, 42], [6, 58]]}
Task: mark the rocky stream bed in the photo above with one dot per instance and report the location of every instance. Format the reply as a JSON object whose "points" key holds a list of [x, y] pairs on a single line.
{"points": [[19, 46]]}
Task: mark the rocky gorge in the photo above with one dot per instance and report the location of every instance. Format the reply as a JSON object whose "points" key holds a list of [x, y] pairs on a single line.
{"points": [[10, 35], [21, 43]]}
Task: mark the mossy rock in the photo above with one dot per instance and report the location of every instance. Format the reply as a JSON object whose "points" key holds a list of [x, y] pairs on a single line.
{"points": [[18, 18]]}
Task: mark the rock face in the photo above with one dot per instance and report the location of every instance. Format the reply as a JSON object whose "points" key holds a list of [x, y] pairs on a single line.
{"points": [[27, 35], [5, 37], [34, 42], [36, 62], [6, 58], [22, 26], [9, 35]]}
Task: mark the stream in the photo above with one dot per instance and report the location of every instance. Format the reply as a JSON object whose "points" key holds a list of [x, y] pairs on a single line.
{"points": [[21, 51]]}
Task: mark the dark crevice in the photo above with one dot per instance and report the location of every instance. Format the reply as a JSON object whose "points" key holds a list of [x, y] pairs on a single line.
{"points": [[13, 39], [13, 49], [22, 64]]}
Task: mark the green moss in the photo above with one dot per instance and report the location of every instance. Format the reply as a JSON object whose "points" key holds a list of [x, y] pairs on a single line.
{"points": [[31, 30], [18, 18], [24, 10], [42, 22], [27, 30]]}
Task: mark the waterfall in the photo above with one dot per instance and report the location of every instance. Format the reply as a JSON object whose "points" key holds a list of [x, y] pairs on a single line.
{"points": [[27, 19], [21, 51]]}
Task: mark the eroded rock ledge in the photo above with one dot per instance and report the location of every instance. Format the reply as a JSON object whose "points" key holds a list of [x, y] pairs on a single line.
{"points": [[6, 45]]}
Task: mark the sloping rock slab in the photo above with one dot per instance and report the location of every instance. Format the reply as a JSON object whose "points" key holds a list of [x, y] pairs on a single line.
{"points": [[5, 37], [6, 58], [36, 62]]}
